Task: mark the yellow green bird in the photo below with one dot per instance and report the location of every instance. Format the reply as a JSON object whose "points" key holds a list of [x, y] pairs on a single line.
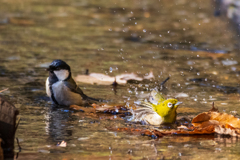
{"points": [[156, 110]]}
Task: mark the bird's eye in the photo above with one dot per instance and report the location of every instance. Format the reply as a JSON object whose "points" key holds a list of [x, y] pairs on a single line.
{"points": [[169, 104]]}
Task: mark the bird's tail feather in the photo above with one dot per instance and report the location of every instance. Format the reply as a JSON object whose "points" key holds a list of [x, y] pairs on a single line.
{"points": [[94, 99]]}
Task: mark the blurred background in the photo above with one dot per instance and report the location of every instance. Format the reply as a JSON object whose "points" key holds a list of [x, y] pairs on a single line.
{"points": [[196, 43]]}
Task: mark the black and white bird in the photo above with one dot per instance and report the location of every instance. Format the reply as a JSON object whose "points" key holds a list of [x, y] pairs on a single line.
{"points": [[61, 87]]}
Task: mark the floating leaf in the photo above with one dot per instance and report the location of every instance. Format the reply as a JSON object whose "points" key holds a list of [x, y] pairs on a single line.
{"points": [[83, 109], [195, 131], [212, 117], [103, 79], [62, 144], [154, 133], [3, 90], [227, 130], [104, 107], [21, 21], [205, 123]]}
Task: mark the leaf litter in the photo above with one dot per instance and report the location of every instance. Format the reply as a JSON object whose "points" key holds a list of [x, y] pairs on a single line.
{"points": [[206, 123]]}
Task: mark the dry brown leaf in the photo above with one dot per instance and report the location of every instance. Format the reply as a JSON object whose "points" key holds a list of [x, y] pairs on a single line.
{"points": [[84, 109], [98, 111], [3, 90], [155, 133], [21, 21], [222, 123], [62, 144], [206, 123], [202, 117], [227, 131], [107, 108], [183, 127], [196, 131], [103, 79], [210, 54], [207, 118], [102, 107]]}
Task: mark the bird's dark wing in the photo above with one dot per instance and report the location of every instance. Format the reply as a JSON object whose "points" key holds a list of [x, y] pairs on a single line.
{"points": [[71, 84]]}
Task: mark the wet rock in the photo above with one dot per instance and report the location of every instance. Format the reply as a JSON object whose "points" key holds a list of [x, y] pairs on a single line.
{"points": [[8, 127]]}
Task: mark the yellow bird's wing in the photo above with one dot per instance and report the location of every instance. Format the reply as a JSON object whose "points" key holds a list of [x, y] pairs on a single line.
{"points": [[156, 97], [142, 115], [146, 114]]}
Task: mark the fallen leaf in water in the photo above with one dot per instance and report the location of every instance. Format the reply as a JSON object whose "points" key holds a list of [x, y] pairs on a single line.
{"points": [[83, 109], [213, 117], [3, 90], [102, 79], [214, 122], [201, 117], [154, 133], [146, 14], [206, 123], [183, 127], [113, 109], [195, 131], [115, 112], [21, 21], [62, 144], [227, 130], [149, 76], [211, 55], [181, 95]]}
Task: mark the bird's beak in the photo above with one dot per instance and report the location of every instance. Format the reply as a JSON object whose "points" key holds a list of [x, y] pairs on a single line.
{"points": [[178, 103]]}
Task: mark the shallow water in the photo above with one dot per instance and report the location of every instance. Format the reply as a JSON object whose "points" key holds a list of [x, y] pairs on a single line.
{"points": [[180, 39]]}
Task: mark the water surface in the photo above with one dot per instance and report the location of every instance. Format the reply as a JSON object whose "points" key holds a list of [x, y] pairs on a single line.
{"points": [[180, 39]]}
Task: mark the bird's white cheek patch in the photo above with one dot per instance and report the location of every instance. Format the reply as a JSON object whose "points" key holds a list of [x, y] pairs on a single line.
{"points": [[47, 88], [62, 74]]}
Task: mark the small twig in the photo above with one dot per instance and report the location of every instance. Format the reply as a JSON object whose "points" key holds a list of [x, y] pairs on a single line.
{"points": [[155, 149], [19, 147], [3, 90], [165, 81], [18, 121], [214, 109], [115, 84]]}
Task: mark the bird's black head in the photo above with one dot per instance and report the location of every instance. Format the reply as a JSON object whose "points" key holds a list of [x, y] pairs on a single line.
{"points": [[57, 65]]}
